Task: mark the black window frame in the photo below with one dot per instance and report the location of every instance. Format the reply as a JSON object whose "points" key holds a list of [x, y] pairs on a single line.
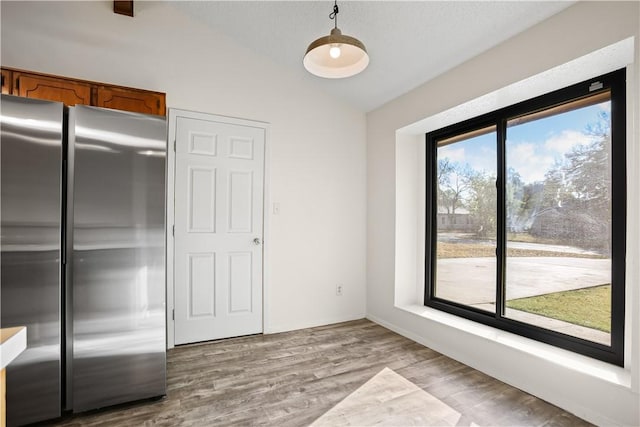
{"points": [[615, 82]]}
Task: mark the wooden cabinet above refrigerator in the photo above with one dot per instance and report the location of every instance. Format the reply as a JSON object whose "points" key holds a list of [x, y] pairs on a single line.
{"points": [[81, 92], [6, 81]]}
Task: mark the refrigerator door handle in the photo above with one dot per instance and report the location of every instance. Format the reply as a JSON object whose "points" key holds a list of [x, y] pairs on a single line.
{"points": [[64, 243], [68, 279]]}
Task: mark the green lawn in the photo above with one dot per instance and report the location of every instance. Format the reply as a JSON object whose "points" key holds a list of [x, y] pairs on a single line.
{"points": [[590, 307]]}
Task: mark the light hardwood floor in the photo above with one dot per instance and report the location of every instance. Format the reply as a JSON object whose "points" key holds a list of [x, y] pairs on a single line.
{"points": [[293, 378]]}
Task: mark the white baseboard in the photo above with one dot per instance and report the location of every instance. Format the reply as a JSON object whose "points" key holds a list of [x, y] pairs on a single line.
{"points": [[407, 334], [293, 326]]}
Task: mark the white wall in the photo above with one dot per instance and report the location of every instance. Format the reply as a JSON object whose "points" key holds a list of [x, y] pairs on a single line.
{"points": [[317, 144], [594, 390]]}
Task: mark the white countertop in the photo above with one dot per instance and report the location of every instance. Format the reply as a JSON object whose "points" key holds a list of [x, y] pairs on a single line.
{"points": [[13, 341]]}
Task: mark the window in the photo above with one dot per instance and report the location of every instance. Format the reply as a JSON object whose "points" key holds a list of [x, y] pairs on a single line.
{"points": [[543, 187]]}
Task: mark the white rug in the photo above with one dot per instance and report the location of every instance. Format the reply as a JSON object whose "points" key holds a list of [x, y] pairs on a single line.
{"points": [[388, 399]]}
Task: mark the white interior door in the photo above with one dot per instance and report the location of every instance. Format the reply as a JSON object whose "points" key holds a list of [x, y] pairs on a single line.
{"points": [[219, 181]]}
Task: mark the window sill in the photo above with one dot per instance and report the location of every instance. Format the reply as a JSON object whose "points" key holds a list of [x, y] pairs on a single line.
{"points": [[573, 361]]}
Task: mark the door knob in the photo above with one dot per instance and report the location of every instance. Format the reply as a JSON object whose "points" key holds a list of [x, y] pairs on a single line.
{"points": [[256, 241]]}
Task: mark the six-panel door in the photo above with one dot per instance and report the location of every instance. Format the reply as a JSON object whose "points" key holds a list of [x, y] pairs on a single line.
{"points": [[218, 230]]}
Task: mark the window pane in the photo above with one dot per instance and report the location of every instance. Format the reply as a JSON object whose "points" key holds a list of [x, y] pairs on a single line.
{"points": [[466, 219], [558, 219]]}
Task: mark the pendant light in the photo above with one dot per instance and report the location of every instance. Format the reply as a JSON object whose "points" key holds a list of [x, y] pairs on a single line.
{"points": [[336, 56]]}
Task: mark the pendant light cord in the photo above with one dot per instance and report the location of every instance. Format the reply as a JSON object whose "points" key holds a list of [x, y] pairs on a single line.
{"points": [[334, 15]]}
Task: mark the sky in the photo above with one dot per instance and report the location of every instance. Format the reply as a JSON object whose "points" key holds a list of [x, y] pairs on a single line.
{"points": [[533, 147]]}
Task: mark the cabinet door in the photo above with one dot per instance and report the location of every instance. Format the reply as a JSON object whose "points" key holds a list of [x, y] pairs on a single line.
{"points": [[53, 89], [6, 81], [131, 100]]}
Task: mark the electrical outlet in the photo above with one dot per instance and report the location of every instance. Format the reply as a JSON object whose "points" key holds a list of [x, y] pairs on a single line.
{"points": [[339, 290]]}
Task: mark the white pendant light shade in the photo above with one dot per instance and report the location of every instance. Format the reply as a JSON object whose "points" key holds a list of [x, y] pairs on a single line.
{"points": [[336, 56]]}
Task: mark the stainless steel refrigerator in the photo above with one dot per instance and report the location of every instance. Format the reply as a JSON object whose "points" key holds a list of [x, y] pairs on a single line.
{"points": [[83, 256]]}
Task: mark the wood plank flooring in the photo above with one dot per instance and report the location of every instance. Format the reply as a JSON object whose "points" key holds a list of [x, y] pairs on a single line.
{"points": [[293, 378]]}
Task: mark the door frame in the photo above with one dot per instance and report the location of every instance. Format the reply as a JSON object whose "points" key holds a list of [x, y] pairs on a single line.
{"points": [[174, 114]]}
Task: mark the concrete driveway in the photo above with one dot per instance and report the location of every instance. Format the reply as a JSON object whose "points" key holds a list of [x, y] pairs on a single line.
{"points": [[472, 281]]}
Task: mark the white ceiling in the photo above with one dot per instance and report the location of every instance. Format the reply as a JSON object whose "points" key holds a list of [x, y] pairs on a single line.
{"points": [[409, 42]]}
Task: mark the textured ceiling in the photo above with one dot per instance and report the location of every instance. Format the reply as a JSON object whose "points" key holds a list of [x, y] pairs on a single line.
{"points": [[409, 43]]}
